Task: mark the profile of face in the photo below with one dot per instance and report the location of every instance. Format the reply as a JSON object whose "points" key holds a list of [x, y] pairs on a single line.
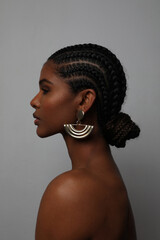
{"points": [[55, 104]]}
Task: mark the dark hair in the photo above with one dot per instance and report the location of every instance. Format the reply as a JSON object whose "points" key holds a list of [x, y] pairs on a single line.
{"points": [[93, 66]]}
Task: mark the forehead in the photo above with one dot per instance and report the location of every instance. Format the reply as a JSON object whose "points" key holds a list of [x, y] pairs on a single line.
{"points": [[50, 75], [49, 68]]}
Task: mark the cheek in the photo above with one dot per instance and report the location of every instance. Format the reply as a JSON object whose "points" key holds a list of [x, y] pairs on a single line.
{"points": [[59, 110]]}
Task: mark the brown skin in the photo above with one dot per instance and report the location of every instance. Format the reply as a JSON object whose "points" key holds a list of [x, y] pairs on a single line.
{"points": [[90, 201]]}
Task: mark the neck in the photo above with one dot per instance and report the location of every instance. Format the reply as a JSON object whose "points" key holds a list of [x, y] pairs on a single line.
{"points": [[90, 152]]}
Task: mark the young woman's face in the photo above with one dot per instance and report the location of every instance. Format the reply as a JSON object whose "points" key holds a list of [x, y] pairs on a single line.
{"points": [[54, 104]]}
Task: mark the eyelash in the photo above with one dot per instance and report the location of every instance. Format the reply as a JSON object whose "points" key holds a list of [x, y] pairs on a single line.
{"points": [[45, 91]]}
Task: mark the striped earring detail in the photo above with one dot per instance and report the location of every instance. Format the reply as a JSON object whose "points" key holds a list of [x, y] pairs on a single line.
{"points": [[78, 130]]}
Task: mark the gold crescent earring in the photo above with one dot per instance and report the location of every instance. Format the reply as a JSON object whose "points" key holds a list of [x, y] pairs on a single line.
{"points": [[72, 130]]}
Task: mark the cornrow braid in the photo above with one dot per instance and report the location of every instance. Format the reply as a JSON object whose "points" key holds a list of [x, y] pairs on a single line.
{"points": [[93, 66], [93, 78], [108, 63]]}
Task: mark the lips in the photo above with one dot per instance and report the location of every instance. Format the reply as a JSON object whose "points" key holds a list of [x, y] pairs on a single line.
{"points": [[35, 116], [37, 119]]}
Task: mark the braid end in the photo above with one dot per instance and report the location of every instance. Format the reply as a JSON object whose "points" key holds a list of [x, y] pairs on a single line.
{"points": [[121, 129]]}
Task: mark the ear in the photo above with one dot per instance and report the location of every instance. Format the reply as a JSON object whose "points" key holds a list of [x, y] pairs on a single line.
{"points": [[86, 99]]}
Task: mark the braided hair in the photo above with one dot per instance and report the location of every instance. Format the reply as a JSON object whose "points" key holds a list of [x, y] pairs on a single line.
{"points": [[93, 66]]}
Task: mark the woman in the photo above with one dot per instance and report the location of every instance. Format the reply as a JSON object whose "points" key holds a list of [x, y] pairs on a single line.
{"points": [[82, 89]]}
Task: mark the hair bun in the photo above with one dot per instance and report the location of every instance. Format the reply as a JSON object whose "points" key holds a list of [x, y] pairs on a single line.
{"points": [[120, 129]]}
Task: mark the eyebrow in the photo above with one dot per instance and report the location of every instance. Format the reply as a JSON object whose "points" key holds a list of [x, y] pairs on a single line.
{"points": [[44, 80]]}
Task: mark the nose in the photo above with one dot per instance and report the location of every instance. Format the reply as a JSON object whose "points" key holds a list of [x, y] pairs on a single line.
{"points": [[35, 103]]}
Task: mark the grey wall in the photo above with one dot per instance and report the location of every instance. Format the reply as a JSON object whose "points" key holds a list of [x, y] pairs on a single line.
{"points": [[29, 32]]}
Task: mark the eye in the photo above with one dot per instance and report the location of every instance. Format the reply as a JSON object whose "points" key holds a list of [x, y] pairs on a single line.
{"points": [[45, 90]]}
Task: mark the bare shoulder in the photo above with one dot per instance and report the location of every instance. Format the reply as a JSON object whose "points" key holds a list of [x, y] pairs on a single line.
{"points": [[73, 184], [78, 202], [69, 203]]}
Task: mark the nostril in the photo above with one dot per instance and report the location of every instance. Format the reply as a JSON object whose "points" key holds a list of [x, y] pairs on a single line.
{"points": [[35, 104]]}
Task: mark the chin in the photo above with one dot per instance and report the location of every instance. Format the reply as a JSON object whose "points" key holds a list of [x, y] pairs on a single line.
{"points": [[43, 134]]}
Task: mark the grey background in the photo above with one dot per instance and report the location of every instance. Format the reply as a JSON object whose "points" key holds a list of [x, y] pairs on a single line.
{"points": [[29, 32]]}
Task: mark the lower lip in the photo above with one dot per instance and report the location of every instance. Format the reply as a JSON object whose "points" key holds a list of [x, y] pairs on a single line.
{"points": [[36, 121]]}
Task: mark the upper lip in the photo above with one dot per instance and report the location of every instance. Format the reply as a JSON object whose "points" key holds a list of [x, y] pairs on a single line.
{"points": [[35, 116]]}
